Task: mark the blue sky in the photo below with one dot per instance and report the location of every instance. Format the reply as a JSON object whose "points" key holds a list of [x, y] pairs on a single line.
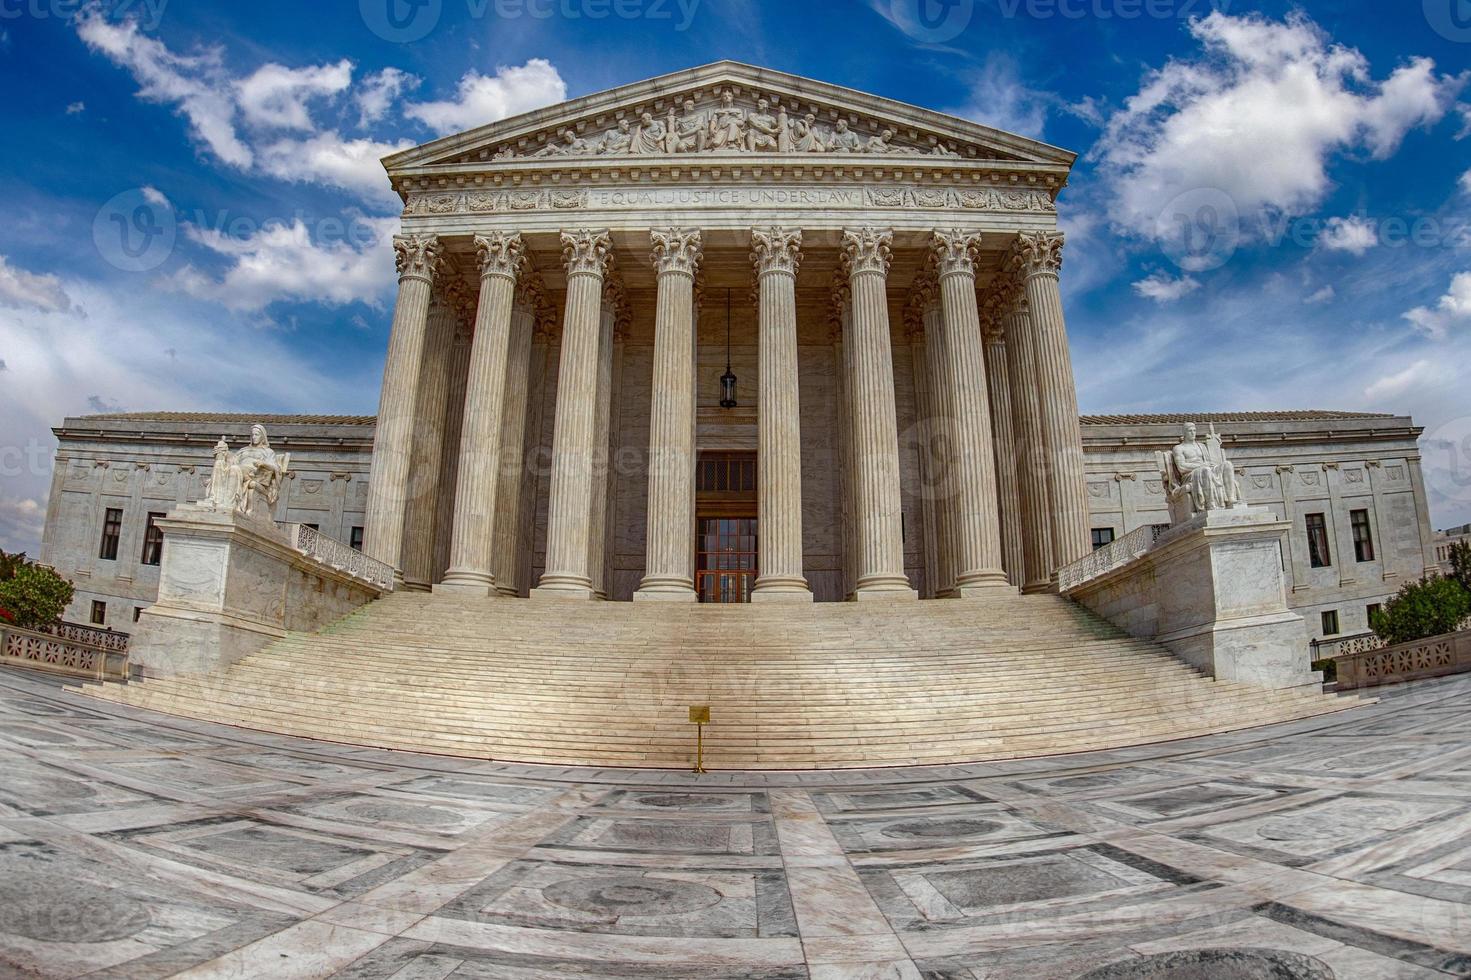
{"points": [[1268, 211]]}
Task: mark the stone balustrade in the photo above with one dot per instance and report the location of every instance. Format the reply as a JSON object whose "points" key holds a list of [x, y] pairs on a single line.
{"points": [[1111, 556], [110, 640], [1434, 656], [339, 557], [73, 656]]}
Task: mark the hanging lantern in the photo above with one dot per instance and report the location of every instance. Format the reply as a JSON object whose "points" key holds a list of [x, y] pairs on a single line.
{"points": [[728, 379]]}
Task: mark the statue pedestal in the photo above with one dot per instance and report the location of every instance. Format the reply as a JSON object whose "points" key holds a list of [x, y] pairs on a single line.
{"points": [[229, 585], [1212, 591]]}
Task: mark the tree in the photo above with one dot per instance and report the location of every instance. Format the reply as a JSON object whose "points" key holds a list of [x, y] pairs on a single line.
{"points": [[1461, 564], [1430, 607], [9, 564], [34, 596]]}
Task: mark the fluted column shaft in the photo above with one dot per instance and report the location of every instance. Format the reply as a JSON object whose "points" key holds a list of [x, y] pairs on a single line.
{"points": [[449, 453], [1031, 455], [942, 446], [1040, 258], [977, 531], [597, 527], [880, 529], [586, 255], [669, 571], [418, 259], [505, 545], [776, 253], [502, 260], [924, 426], [998, 388], [429, 429]]}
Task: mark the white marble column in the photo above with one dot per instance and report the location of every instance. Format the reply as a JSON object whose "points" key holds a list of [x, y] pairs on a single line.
{"points": [[454, 420], [1031, 453], [602, 478], [424, 487], [669, 570], [508, 530], [977, 530], [925, 431], [418, 258], [587, 256], [1040, 259], [502, 260], [842, 317], [1003, 435], [866, 255], [941, 487], [776, 254]]}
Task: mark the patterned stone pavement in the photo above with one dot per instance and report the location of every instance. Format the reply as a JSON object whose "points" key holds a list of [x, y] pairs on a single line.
{"points": [[135, 846]]}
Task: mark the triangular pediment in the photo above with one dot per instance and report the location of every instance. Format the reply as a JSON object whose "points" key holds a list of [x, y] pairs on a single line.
{"points": [[728, 110]]}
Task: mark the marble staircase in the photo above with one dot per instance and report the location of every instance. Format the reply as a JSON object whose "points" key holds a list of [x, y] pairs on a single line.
{"points": [[829, 685]]}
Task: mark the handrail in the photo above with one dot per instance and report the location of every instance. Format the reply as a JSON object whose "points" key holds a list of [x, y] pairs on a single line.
{"points": [[334, 554], [1114, 555], [1340, 646]]}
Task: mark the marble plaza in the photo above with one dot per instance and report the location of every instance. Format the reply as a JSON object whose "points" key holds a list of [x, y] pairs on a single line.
{"points": [[137, 846]]}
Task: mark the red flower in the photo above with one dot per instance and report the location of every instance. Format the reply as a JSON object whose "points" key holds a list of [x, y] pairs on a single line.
{"points": [[5, 615]]}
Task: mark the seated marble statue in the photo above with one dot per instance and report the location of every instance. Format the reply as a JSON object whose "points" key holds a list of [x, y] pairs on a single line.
{"points": [[240, 479], [1197, 476]]}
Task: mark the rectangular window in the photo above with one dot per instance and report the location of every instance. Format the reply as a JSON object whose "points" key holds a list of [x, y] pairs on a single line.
{"points": [[1102, 537], [1318, 552], [112, 532], [355, 540], [1370, 612], [99, 612], [1363, 536], [315, 527], [137, 613], [1330, 623], [153, 541]]}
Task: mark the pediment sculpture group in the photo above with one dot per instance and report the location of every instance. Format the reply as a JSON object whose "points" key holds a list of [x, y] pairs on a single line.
{"points": [[1198, 477], [727, 127]]}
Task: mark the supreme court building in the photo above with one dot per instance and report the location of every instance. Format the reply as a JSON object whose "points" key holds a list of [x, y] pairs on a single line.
{"points": [[780, 325]]}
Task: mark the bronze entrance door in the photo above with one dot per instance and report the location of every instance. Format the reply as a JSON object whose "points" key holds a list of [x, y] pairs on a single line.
{"points": [[727, 541]]}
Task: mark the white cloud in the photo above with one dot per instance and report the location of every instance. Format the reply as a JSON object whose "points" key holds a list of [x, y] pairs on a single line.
{"points": [[351, 164], [74, 108], [282, 262], [1257, 116], [1454, 309], [1163, 288], [276, 97], [20, 289], [196, 84], [1000, 99], [1466, 182], [483, 99], [1392, 386], [1321, 296], [22, 519], [379, 91], [1354, 234]]}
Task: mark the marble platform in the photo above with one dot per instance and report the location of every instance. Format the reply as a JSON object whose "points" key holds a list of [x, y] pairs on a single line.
{"points": [[134, 845]]}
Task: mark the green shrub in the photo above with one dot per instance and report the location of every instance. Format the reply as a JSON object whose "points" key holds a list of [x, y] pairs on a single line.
{"points": [[9, 564], [1329, 668], [1429, 607], [35, 596], [1461, 564]]}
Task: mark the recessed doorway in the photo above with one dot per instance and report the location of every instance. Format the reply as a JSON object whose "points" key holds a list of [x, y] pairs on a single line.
{"points": [[727, 542]]}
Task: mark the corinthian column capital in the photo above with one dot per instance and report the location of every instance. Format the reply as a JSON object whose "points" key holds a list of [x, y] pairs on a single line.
{"points": [[676, 250], [776, 250], [417, 256], [995, 310], [954, 250], [1037, 253], [867, 250], [587, 252], [500, 254]]}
